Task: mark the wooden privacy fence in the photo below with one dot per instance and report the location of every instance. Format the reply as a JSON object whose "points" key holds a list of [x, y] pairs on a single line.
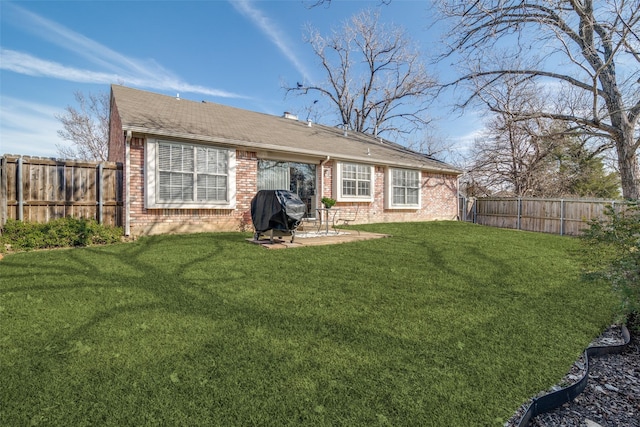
{"points": [[38, 189], [557, 216]]}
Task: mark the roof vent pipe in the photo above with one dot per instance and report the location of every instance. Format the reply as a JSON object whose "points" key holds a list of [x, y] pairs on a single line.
{"points": [[345, 130]]}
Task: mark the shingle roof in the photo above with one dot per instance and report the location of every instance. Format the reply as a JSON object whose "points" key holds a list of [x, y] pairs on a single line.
{"points": [[166, 116]]}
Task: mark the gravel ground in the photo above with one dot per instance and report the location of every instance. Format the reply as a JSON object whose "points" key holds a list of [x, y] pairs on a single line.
{"points": [[611, 397]]}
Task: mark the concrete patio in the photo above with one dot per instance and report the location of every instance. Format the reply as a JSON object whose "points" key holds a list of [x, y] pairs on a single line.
{"points": [[310, 238]]}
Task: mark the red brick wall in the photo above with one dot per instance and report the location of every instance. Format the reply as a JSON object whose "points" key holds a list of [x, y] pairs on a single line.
{"points": [[159, 221], [247, 186], [439, 200], [327, 180], [439, 196]]}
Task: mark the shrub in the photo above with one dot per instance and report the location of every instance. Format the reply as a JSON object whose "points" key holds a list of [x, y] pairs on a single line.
{"points": [[328, 202], [616, 243], [59, 233]]}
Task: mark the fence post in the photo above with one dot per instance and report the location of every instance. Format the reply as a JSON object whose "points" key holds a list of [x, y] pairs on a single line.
{"points": [[465, 208], [19, 189], [4, 194], [562, 217], [475, 210], [99, 189], [519, 212]]}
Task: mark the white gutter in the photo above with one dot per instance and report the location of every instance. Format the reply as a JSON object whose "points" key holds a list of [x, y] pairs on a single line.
{"points": [[127, 174]]}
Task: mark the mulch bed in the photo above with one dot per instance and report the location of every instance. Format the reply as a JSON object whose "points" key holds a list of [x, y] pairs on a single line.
{"points": [[611, 397]]}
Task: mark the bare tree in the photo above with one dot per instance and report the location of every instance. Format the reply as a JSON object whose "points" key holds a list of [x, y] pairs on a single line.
{"points": [[431, 143], [535, 157], [376, 82], [513, 157], [510, 159], [589, 50], [87, 128]]}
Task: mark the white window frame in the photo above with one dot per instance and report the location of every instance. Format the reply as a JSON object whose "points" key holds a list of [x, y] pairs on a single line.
{"points": [[389, 202], [152, 200], [337, 184]]}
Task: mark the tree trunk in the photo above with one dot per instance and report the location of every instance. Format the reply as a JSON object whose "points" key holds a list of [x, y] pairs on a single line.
{"points": [[628, 165]]}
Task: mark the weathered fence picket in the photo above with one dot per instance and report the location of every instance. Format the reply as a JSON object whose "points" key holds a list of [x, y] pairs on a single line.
{"points": [[557, 216], [39, 189]]}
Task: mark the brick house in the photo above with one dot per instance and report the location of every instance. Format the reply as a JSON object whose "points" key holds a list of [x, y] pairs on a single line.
{"points": [[195, 166]]}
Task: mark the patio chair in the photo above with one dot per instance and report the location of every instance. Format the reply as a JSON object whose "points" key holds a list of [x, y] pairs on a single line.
{"points": [[346, 217], [309, 224]]}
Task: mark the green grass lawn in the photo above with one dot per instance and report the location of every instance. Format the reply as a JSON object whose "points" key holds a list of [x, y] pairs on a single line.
{"points": [[444, 324]]}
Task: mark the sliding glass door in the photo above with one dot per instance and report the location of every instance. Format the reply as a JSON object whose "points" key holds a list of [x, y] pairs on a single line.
{"points": [[299, 178]]}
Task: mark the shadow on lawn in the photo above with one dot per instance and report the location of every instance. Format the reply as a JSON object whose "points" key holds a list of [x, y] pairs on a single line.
{"points": [[161, 268], [213, 284], [163, 272]]}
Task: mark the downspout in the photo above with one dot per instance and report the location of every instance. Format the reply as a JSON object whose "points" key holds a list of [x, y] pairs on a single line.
{"points": [[127, 174], [459, 209], [322, 163]]}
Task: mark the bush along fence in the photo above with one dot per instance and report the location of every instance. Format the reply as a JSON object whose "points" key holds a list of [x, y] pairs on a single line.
{"points": [[556, 216], [36, 189]]}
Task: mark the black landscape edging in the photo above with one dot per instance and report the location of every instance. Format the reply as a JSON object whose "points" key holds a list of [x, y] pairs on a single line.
{"points": [[558, 398]]}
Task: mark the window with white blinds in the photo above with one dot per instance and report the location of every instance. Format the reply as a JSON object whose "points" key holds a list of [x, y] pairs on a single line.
{"points": [[188, 175], [211, 174], [354, 182], [175, 168], [404, 188], [273, 175]]}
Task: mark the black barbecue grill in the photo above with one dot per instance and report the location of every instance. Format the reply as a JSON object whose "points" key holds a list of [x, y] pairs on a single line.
{"points": [[278, 212]]}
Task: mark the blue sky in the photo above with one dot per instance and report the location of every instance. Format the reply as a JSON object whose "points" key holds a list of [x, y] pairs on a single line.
{"points": [[236, 53]]}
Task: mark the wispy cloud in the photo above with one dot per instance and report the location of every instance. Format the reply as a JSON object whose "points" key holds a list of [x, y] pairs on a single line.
{"points": [[23, 63], [28, 128], [463, 131], [467, 140], [271, 30], [113, 67]]}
